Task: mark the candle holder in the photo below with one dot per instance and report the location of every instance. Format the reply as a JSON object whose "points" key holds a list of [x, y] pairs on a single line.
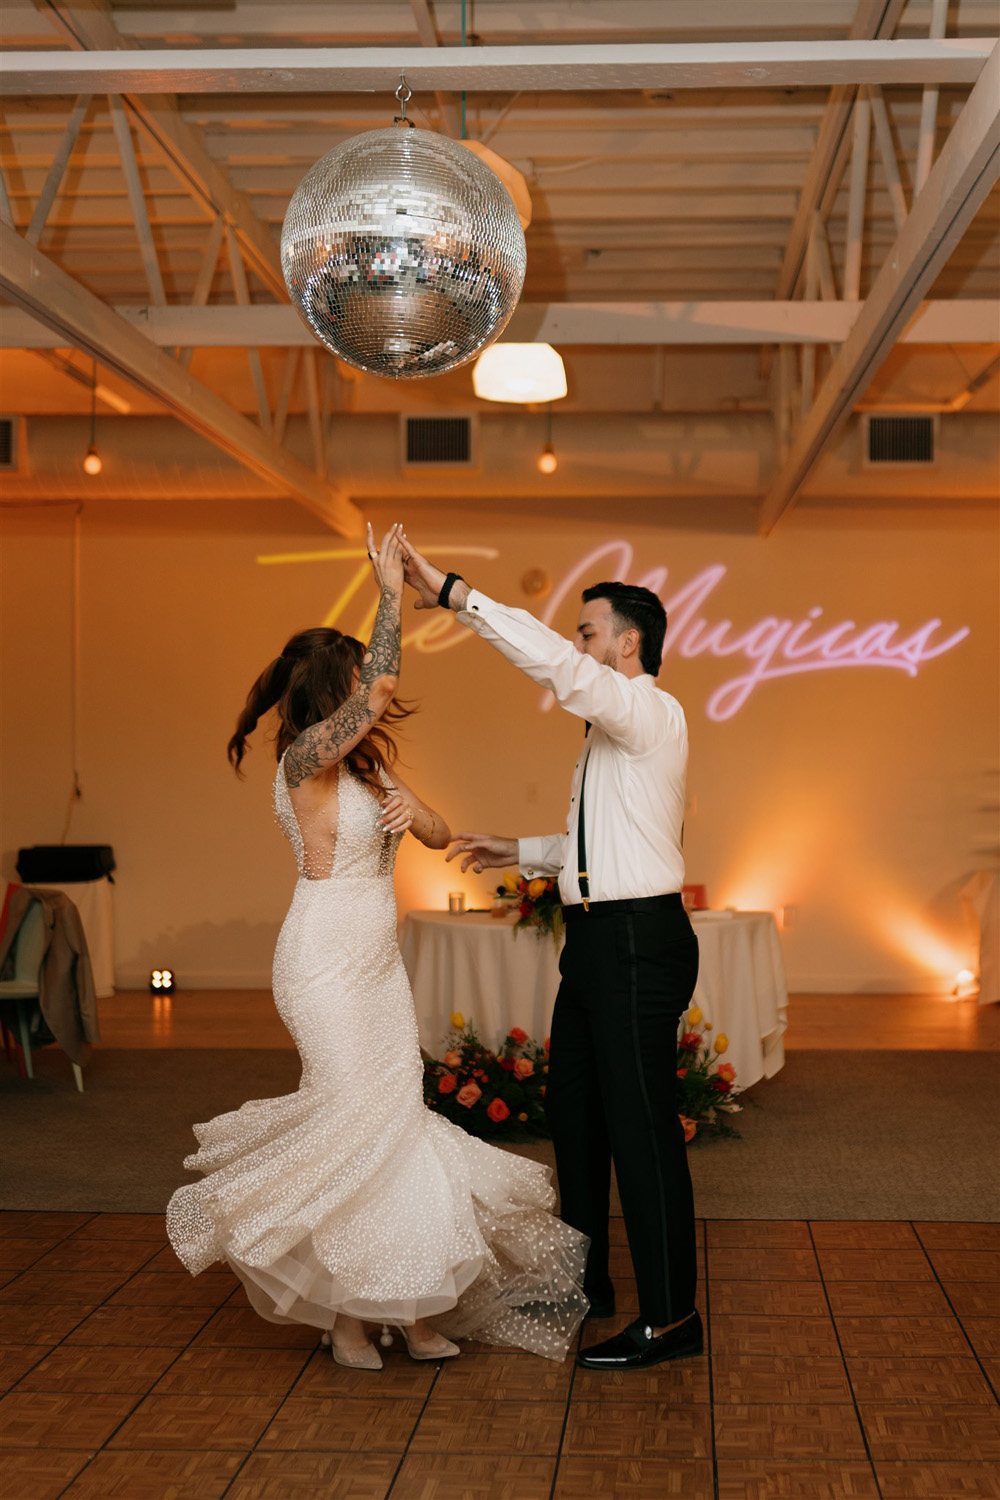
{"points": [[456, 903]]}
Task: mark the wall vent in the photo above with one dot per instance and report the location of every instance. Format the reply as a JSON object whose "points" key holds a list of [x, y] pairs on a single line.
{"points": [[13, 448], [899, 440], [439, 442]]}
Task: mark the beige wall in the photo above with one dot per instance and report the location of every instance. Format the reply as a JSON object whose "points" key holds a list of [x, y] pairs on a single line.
{"points": [[864, 797]]}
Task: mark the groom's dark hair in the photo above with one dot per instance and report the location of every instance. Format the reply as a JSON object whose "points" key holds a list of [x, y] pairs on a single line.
{"points": [[635, 608]]}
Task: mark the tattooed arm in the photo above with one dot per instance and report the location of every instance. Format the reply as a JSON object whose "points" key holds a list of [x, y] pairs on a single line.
{"points": [[323, 745]]}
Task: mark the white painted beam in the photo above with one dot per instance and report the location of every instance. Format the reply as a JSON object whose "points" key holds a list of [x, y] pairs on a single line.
{"points": [[963, 175], [713, 65], [57, 170], [962, 321], [88, 25], [873, 20], [37, 285]]}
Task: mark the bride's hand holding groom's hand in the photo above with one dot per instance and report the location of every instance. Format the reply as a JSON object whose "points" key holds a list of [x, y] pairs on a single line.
{"points": [[483, 851], [428, 581], [388, 560]]}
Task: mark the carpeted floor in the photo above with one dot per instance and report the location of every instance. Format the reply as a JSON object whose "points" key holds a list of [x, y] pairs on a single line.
{"points": [[836, 1135]]}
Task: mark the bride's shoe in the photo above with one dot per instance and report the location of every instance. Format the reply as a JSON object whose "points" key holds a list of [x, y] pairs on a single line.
{"points": [[440, 1348], [365, 1358]]}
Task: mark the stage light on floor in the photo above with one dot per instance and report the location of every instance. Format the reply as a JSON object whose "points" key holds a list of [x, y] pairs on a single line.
{"points": [[966, 985], [161, 982]]}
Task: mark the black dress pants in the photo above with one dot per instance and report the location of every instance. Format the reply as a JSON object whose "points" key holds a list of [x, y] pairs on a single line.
{"points": [[627, 976]]}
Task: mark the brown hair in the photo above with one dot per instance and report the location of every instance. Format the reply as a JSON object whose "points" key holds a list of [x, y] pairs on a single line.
{"points": [[308, 682]]}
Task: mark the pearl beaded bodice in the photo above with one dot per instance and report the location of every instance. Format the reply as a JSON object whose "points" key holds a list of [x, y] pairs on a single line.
{"points": [[336, 833]]}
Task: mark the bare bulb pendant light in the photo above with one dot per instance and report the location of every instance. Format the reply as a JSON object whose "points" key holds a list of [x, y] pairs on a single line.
{"points": [[92, 463], [547, 461], [403, 251]]}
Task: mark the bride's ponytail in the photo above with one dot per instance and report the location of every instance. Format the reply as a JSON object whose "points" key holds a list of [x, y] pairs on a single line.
{"points": [[262, 697]]}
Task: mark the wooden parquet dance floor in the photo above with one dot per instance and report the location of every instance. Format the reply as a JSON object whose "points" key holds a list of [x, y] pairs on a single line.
{"points": [[844, 1360]]}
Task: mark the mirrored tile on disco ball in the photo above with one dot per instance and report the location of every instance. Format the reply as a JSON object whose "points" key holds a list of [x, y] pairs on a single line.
{"points": [[403, 252]]}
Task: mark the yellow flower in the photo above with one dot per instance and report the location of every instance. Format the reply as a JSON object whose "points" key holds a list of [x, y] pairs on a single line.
{"points": [[457, 1020], [523, 1119], [694, 1016], [721, 1042], [707, 1026], [510, 879], [536, 887]]}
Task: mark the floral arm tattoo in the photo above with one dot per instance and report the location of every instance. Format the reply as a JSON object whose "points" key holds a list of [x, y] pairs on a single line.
{"points": [[322, 745]]}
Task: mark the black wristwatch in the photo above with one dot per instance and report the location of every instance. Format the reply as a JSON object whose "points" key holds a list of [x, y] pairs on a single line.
{"points": [[446, 588]]}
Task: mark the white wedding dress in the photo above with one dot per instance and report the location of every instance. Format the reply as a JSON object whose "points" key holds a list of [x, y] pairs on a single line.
{"points": [[350, 1195]]}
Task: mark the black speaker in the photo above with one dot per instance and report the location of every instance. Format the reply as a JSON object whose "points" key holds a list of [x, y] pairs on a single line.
{"points": [[64, 863]]}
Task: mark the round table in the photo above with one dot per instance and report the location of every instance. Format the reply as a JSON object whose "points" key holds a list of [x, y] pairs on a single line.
{"points": [[476, 964]]}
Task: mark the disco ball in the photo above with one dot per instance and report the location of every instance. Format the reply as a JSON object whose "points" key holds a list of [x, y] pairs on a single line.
{"points": [[403, 252]]}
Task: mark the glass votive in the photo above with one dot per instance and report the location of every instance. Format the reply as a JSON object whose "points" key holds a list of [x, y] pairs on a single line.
{"points": [[500, 908], [456, 902]]}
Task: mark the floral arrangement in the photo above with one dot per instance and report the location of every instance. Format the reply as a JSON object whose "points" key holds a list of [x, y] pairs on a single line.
{"points": [[538, 904], [706, 1091], [489, 1093], [493, 1094]]}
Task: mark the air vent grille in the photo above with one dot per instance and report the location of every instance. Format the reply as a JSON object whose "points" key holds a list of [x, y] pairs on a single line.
{"points": [[439, 442], [900, 440]]}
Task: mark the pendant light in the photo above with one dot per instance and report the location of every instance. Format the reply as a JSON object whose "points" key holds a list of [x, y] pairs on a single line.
{"points": [[92, 463]]}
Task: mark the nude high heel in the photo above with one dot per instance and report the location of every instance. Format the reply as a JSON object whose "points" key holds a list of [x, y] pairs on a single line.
{"points": [[367, 1358], [442, 1348]]}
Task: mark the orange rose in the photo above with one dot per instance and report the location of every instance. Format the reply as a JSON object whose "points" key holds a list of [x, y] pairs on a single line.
{"points": [[497, 1110], [523, 1067], [453, 1059], [537, 888], [446, 1083], [690, 1127], [468, 1095], [726, 1071], [518, 1037]]}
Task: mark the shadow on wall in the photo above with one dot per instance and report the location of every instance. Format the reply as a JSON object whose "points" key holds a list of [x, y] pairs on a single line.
{"points": [[208, 955]]}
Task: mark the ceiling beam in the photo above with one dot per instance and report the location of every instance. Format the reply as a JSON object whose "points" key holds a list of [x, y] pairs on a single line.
{"points": [[300, 70], [964, 321], [964, 173], [88, 26], [34, 283], [873, 20]]}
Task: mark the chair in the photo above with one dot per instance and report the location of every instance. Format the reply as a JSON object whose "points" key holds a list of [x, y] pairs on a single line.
{"points": [[22, 989]]}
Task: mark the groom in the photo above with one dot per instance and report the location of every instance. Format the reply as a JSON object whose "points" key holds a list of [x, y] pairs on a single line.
{"points": [[630, 960]]}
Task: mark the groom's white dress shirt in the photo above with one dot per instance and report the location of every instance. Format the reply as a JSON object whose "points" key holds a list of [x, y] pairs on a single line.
{"points": [[637, 749]]}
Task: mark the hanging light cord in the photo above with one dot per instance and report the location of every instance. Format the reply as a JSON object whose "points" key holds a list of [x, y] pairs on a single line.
{"points": [[463, 91], [93, 404]]}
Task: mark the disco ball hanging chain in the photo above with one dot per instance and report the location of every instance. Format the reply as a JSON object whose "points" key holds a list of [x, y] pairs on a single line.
{"points": [[403, 251]]}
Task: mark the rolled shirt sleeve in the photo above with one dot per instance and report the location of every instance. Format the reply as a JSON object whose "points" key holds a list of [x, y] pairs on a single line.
{"points": [[581, 685]]}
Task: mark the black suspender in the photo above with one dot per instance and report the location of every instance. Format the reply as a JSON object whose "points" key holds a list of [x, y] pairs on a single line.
{"points": [[581, 841]]}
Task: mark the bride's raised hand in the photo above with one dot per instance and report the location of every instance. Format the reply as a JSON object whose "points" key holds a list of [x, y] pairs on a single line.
{"points": [[387, 562]]}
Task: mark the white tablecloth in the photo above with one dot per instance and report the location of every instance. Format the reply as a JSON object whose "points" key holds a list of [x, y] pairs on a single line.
{"points": [[92, 899], [474, 964]]}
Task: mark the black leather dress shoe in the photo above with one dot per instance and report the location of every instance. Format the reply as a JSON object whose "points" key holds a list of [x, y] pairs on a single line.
{"points": [[637, 1347], [602, 1302]]}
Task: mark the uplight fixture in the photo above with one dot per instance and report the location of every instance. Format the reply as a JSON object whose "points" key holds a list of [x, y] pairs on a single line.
{"points": [[520, 374], [966, 985], [161, 982]]}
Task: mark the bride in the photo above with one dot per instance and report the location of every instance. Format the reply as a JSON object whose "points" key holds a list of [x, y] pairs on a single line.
{"points": [[349, 1202]]}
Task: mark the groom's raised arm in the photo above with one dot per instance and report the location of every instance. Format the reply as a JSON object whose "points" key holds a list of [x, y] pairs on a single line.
{"points": [[580, 684]]}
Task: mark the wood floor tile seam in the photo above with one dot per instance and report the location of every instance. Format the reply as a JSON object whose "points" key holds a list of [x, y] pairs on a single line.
{"points": [[566, 1412], [711, 1377], [945, 1294], [413, 1432], [847, 1373]]}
